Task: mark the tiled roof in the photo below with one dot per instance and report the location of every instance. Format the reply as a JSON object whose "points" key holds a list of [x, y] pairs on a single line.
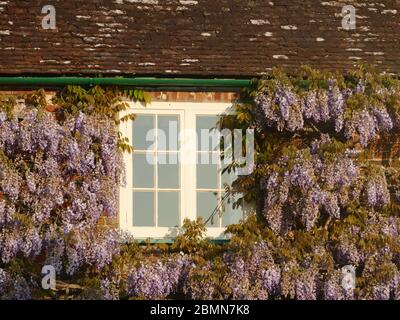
{"points": [[206, 38]]}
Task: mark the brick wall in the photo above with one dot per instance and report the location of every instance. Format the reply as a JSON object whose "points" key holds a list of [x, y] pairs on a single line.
{"points": [[182, 96], [169, 96]]}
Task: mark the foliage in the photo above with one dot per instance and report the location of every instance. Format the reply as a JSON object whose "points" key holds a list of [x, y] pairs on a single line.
{"points": [[191, 238], [109, 102]]}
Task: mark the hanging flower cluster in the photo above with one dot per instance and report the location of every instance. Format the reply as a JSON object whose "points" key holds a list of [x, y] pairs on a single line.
{"points": [[13, 287], [252, 277], [308, 183], [257, 272], [311, 183], [57, 178], [351, 112], [158, 280]]}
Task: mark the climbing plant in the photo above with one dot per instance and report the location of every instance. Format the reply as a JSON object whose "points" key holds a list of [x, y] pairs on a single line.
{"points": [[325, 187]]}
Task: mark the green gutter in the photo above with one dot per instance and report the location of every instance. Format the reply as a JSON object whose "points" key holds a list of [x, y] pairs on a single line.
{"points": [[120, 81]]}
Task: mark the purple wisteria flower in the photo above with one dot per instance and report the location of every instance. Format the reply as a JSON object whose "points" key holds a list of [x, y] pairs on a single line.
{"points": [[54, 188], [285, 109], [308, 185], [158, 280]]}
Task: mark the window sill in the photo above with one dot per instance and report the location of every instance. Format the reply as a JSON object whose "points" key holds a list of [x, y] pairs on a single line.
{"points": [[171, 241]]}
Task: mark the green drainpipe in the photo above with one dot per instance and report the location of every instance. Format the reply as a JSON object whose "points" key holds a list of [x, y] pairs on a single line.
{"points": [[120, 81]]}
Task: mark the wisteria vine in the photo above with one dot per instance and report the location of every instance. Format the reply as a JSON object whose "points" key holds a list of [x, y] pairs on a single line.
{"points": [[324, 204], [57, 179]]}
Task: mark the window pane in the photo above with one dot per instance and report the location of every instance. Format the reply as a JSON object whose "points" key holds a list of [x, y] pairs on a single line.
{"points": [[168, 174], [168, 130], [141, 126], [207, 171], [233, 213], [143, 209], [168, 209], [206, 204], [143, 170], [207, 135]]}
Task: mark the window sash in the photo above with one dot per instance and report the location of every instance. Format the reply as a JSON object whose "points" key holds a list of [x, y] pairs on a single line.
{"points": [[188, 171]]}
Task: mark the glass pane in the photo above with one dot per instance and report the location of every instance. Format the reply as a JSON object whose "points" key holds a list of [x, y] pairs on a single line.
{"points": [[207, 171], [168, 174], [207, 135], [143, 209], [168, 130], [168, 209], [143, 170], [141, 127], [233, 213], [206, 204]]}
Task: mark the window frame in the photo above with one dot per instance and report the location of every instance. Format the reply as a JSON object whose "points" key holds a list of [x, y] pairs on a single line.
{"points": [[188, 201]]}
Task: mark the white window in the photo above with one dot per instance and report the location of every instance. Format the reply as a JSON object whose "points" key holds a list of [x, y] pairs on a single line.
{"points": [[175, 171]]}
